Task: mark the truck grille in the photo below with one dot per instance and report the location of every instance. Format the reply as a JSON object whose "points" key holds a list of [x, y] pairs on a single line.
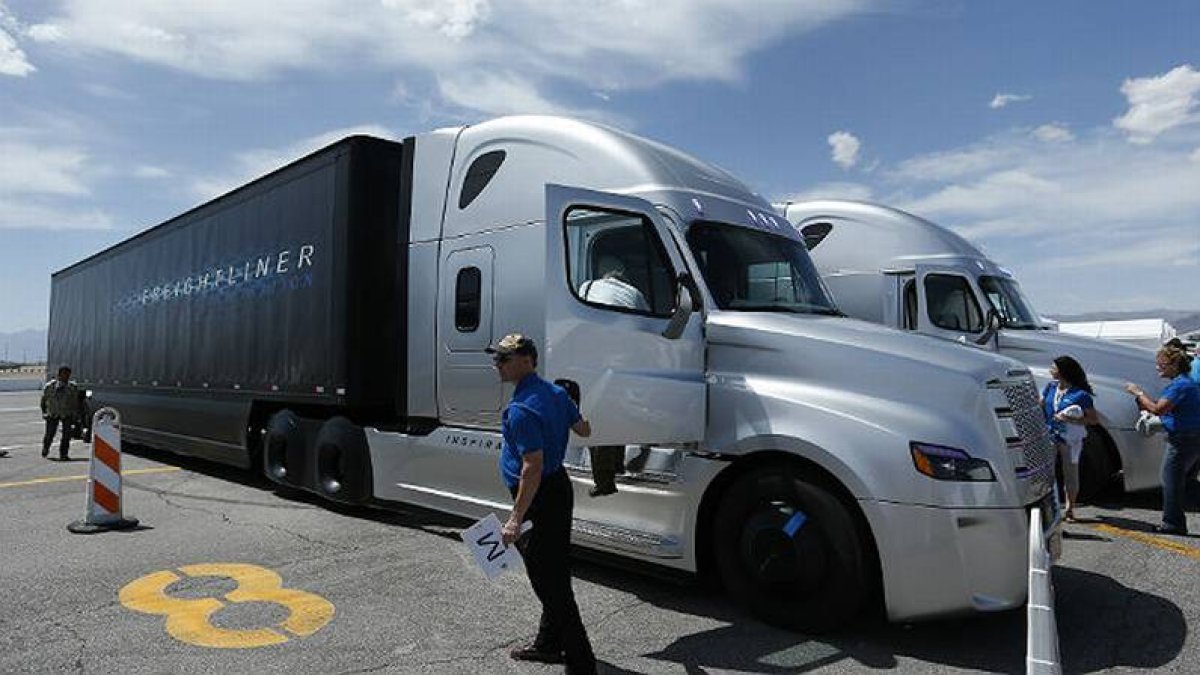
{"points": [[1036, 450]]}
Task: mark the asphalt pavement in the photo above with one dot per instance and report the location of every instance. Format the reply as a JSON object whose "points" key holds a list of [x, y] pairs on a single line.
{"points": [[320, 589]]}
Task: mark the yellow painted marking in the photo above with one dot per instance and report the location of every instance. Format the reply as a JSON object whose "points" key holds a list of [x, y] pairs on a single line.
{"points": [[189, 620], [1158, 542], [63, 479]]}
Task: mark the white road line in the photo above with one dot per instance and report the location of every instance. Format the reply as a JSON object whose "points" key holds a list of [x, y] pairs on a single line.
{"points": [[31, 408], [14, 447]]}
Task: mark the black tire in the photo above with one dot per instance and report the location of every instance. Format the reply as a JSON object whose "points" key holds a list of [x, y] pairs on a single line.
{"points": [[343, 462], [283, 449], [1096, 470], [790, 551]]}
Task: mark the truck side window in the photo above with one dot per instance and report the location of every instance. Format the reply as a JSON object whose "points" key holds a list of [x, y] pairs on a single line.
{"points": [[952, 304], [910, 305], [615, 260], [815, 233], [467, 292], [479, 174]]}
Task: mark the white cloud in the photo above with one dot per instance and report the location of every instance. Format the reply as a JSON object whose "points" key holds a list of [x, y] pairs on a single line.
{"points": [[12, 59], [1040, 205], [25, 214], [45, 33], [845, 147], [990, 195], [456, 19], [610, 46], [108, 92], [151, 172], [1153, 251], [1056, 132], [496, 94], [42, 179], [31, 168], [1159, 104], [1061, 187], [1002, 100], [956, 164], [255, 163], [832, 190]]}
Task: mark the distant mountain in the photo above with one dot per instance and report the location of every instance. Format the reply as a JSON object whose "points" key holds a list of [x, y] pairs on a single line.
{"points": [[1184, 321], [23, 346]]}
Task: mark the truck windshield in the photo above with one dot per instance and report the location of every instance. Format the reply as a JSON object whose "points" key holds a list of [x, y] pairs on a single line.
{"points": [[754, 271], [1006, 297]]}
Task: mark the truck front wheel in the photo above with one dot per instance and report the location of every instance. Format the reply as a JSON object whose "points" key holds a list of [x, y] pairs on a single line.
{"points": [[789, 550]]}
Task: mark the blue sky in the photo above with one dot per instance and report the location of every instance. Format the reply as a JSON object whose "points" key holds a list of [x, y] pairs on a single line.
{"points": [[1064, 137]]}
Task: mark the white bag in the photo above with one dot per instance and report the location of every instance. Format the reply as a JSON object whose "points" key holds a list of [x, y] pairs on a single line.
{"points": [[1148, 424]]}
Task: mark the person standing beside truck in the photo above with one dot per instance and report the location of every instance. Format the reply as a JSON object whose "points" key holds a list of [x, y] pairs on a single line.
{"points": [[1069, 408], [60, 405], [1180, 345], [1179, 408], [535, 426], [611, 289]]}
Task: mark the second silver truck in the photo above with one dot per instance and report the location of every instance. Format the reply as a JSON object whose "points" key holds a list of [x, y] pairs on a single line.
{"points": [[893, 268]]}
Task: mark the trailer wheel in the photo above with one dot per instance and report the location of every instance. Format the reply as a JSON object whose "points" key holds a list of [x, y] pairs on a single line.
{"points": [[283, 447], [343, 461], [789, 550], [1096, 470]]}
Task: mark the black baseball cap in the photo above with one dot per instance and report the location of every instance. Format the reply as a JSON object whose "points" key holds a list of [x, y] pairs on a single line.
{"points": [[513, 343]]}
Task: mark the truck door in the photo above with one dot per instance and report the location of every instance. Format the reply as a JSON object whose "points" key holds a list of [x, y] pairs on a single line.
{"points": [[469, 392], [618, 321], [948, 304]]}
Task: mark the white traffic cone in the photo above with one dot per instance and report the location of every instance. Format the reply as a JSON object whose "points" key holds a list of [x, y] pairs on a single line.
{"points": [[102, 512]]}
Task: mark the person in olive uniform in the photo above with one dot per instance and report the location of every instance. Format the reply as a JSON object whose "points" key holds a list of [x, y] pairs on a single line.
{"points": [[536, 426], [60, 406]]}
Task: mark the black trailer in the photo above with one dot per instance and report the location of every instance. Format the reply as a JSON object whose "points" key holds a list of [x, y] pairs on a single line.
{"points": [[286, 293]]}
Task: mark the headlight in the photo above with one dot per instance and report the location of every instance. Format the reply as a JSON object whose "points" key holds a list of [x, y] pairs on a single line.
{"points": [[942, 463]]}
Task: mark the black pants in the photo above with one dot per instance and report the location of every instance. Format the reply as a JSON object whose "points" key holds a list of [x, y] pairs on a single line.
{"points": [[546, 550], [51, 429], [607, 462]]}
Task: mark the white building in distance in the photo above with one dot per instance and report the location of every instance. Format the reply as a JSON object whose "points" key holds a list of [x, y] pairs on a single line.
{"points": [[1148, 333]]}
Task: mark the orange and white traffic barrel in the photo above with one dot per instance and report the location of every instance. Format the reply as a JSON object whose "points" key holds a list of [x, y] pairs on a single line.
{"points": [[103, 510]]}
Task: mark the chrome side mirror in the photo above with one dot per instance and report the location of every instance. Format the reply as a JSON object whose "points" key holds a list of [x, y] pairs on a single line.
{"points": [[684, 285], [994, 323]]}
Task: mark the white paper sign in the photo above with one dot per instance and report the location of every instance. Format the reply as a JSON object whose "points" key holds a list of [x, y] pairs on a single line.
{"points": [[486, 542]]}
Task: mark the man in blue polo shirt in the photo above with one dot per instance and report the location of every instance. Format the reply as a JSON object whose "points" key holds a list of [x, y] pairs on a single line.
{"points": [[536, 425]]}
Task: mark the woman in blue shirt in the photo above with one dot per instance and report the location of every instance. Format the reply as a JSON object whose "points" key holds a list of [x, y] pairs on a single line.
{"points": [[1179, 408], [1068, 407]]}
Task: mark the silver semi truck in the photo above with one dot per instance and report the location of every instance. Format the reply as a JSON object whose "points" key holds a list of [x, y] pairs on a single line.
{"points": [[890, 267], [327, 323]]}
